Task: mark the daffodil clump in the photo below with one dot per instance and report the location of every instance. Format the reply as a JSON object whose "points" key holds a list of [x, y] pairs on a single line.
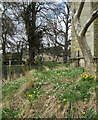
{"points": [[87, 77], [30, 95], [33, 95], [63, 104]]}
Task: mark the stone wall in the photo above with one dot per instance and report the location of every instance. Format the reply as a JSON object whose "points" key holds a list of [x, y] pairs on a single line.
{"points": [[51, 58]]}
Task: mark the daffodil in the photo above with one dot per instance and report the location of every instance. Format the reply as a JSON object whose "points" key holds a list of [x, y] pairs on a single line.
{"points": [[84, 113], [58, 74], [64, 100], [95, 77], [86, 76], [59, 106], [34, 92], [81, 74]]}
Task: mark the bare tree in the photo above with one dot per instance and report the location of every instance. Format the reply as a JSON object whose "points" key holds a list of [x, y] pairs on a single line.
{"points": [[34, 30], [8, 31], [58, 26], [81, 31]]}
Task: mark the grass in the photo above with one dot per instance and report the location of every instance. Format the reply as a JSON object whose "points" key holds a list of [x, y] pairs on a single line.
{"points": [[58, 91], [20, 69]]}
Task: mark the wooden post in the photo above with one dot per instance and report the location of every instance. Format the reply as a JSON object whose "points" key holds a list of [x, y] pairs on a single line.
{"points": [[78, 59], [10, 69]]}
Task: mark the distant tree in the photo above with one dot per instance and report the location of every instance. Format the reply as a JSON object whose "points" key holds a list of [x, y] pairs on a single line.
{"points": [[58, 26], [8, 29]]}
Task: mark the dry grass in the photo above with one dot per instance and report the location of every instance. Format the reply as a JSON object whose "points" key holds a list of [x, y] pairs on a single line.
{"points": [[27, 85], [46, 105]]}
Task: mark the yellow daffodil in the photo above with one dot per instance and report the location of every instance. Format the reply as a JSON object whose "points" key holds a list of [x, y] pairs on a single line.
{"points": [[64, 100], [81, 74], [86, 76], [30, 95], [58, 74], [84, 113], [59, 106], [34, 92], [95, 77]]}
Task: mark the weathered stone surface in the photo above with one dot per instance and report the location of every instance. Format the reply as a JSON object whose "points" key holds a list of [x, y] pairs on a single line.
{"points": [[96, 38], [91, 34]]}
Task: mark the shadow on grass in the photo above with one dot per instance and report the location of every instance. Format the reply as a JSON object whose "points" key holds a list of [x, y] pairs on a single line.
{"points": [[42, 65], [17, 70]]}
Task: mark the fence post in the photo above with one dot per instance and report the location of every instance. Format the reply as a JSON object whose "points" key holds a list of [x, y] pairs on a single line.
{"points": [[10, 69], [78, 59]]}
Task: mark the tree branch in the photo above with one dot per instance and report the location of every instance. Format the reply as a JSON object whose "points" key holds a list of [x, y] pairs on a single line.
{"points": [[89, 21], [59, 43], [79, 10]]}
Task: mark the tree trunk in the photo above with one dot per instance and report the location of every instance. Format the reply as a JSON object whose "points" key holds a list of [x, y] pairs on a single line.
{"points": [[30, 24], [66, 43], [89, 62], [88, 59], [21, 54], [32, 35], [80, 33], [4, 67], [31, 53], [65, 54]]}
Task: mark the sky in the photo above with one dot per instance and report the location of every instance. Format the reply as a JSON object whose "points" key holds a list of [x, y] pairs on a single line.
{"points": [[46, 0]]}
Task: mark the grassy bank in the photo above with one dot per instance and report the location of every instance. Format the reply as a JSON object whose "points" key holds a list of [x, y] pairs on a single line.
{"points": [[51, 91]]}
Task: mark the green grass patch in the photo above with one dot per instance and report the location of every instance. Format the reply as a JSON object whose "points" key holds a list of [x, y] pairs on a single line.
{"points": [[67, 84]]}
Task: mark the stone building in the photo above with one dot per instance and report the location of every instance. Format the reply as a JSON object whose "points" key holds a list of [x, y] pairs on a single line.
{"points": [[91, 35]]}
